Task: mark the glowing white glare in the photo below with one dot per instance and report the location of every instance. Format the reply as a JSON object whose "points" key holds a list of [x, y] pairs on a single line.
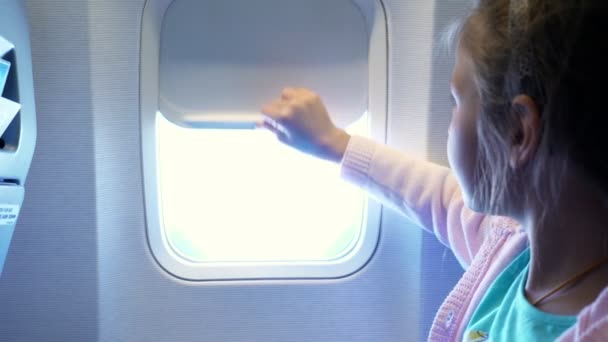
{"points": [[240, 195]]}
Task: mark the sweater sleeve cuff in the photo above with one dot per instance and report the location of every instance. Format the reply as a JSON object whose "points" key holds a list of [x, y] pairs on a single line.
{"points": [[356, 163]]}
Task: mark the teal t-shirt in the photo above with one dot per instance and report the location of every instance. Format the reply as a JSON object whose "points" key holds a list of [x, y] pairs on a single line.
{"points": [[505, 314]]}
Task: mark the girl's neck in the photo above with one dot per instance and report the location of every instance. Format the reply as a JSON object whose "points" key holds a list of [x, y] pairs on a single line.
{"points": [[569, 239]]}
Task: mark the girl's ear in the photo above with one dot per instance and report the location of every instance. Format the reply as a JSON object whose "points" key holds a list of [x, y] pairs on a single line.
{"points": [[528, 133]]}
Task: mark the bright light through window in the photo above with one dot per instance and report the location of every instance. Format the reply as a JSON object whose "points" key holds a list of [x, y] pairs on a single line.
{"points": [[240, 195]]}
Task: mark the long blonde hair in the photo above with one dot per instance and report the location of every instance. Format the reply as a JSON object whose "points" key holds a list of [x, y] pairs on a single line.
{"points": [[555, 51]]}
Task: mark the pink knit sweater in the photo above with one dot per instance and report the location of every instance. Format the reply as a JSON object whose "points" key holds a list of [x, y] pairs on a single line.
{"points": [[428, 194]]}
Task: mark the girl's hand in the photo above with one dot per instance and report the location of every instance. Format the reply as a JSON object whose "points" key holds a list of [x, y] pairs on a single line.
{"points": [[300, 120]]}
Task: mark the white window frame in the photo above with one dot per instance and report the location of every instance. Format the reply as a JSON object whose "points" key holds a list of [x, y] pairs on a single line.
{"points": [[160, 247]]}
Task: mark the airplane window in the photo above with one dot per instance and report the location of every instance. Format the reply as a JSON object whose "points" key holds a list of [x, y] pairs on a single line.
{"points": [[241, 196]]}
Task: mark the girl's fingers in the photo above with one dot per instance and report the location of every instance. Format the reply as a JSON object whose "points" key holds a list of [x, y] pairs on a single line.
{"points": [[288, 93], [276, 110], [275, 129], [271, 126]]}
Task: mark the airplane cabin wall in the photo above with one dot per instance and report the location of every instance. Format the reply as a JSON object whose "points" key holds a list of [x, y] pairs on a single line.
{"points": [[80, 269]]}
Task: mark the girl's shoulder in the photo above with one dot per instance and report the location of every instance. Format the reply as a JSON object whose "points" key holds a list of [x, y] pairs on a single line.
{"points": [[496, 226], [592, 323]]}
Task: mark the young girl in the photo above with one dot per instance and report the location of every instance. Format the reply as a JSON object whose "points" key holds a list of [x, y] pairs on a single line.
{"points": [[525, 209]]}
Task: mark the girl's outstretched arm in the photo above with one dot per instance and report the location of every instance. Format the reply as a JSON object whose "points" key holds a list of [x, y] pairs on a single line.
{"points": [[424, 192]]}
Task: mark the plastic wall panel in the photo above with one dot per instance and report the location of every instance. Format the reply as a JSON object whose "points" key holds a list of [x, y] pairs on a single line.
{"points": [[48, 290], [17, 117], [134, 305], [80, 268]]}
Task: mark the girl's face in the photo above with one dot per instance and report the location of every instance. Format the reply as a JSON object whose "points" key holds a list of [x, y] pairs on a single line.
{"points": [[462, 134]]}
